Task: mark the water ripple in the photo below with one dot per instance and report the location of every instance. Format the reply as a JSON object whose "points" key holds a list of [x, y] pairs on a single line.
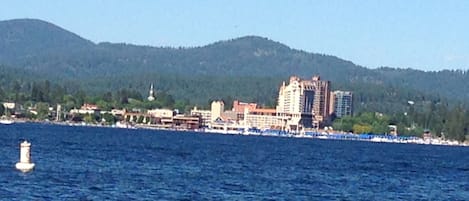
{"points": [[79, 163]]}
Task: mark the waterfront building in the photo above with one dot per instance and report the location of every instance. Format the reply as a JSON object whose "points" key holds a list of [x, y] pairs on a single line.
{"points": [[342, 103], [239, 108], [427, 135], [11, 109], [392, 130], [262, 118], [86, 109], [118, 112], [205, 115], [303, 103], [217, 109], [161, 113], [186, 122], [9, 105], [295, 103], [229, 115], [138, 117], [321, 101]]}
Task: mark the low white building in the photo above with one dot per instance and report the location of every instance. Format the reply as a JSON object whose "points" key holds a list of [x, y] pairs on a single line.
{"points": [[161, 113], [262, 118], [86, 109], [117, 112], [9, 105]]}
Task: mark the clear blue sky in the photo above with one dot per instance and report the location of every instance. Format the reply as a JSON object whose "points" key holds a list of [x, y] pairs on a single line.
{"points": [[427, 34]]}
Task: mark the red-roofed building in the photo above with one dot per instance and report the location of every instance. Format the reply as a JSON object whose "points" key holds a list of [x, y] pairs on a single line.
{"points": [[240, 107]]}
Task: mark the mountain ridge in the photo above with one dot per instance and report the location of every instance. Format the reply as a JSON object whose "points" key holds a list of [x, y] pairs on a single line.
{"points": [[38, 36], [53, 52]]}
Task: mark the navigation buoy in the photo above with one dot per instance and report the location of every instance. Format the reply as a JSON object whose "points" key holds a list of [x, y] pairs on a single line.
{"points": [[25, 164]]}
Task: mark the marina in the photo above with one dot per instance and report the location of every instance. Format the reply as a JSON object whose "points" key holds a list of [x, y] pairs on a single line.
{"points": [[376, 138]]}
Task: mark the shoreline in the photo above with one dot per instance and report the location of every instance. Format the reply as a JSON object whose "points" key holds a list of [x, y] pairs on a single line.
{"points": [[375, 138]]}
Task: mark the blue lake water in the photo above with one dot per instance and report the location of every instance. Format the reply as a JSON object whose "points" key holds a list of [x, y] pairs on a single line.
{"points": [[86, 163]]}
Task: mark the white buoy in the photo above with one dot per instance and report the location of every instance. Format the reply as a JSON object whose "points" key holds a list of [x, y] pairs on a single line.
{"points": [[25, 164]]}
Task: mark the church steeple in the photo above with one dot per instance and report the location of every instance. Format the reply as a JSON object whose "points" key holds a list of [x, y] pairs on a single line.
{"points": [[151, 96]]}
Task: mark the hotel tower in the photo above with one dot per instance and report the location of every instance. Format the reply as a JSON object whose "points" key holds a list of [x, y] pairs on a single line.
{"points": [[303, 103]]}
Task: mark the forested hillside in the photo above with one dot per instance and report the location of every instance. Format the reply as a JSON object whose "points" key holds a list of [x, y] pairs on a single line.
{"points": [[249, 68]]}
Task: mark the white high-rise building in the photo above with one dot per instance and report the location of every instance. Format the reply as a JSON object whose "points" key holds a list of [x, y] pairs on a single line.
{"points": [[304, 103], [295, 102]]}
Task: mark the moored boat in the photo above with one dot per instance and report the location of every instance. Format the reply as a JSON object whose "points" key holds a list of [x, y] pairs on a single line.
{"points": [[6, 121]]}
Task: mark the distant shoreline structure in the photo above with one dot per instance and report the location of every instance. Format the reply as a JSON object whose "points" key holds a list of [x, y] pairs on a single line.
{"points": [[375, 138]]}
